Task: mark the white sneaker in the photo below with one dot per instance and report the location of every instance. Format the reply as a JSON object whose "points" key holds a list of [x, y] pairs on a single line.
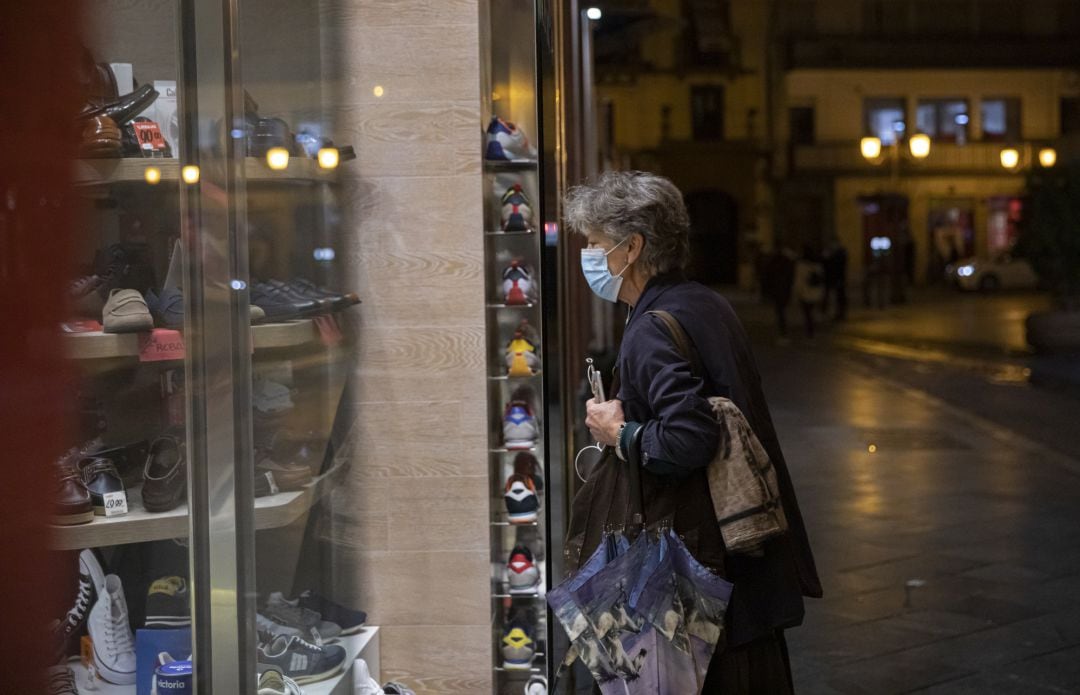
{"points": [[537, 685], [114, 645], [506, 142]]}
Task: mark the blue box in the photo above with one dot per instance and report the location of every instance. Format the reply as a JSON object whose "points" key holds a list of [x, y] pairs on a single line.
{"points": [[150, 643]]}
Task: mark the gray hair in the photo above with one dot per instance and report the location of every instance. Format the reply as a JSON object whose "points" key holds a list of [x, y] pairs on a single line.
{"points": [[623, 203]]}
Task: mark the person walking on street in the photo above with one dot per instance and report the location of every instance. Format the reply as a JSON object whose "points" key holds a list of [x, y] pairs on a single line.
{"points": [[809, 285], [779, 279], [660, 421], [836, 280]]}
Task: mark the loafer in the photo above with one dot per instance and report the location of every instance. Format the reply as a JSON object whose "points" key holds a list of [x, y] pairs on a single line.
{"points": [[167, 308], [100, 137], [279, 306], [126, 312], [71, 500], [100, 477], [337, 300], [124, 108], [165, 475]]}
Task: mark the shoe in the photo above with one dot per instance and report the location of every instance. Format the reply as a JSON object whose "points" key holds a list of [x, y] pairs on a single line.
{"points": [[395, 688], [100, 138], [85, 296], [521, 500], [126, 312], [518, 646], [337, 300], [279, 307], [114, 645], [91, 585], [300, 660], [61, 680], [122, 109], [521, 357], [268, 629], [537, 685], [517, 213], [273, 682], [124, 266], [129, 459], [168, 604], [506, 142], [165, 475], [283, 476], [269, 133], [519, 426], [289, 613], [525, 464], [517, 283], [351, 621], [71, 500], [100, 477], [167, 308], [324, 302], [521, 572]]}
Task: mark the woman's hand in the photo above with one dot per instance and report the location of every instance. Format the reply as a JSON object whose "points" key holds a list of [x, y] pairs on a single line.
{"points": [[604, 420]]}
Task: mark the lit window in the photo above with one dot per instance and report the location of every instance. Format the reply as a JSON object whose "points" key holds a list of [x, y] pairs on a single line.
{"points": [[1000, 120], [884, 119], [943, 119]]}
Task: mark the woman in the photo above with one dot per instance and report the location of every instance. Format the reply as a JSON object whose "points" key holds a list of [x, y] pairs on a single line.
{"points": [[809, 285], [637, 226]]}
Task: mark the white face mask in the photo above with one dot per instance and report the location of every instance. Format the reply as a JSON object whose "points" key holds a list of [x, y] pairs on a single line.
{"points": [[595, 267]]}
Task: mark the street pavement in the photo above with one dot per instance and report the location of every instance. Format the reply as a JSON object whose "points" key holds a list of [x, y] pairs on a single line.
{"points": [[947, 534]]}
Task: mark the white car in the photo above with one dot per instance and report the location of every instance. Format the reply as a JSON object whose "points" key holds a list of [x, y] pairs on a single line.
{"points": [[989, 274]]}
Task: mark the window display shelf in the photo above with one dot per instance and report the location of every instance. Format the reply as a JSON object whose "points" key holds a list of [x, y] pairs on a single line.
{"points": [[498, 305], [96, 345], [365, 645], [139, 525], [514, 378], [527, 232], [132, 170], [507, 523], [505, 450], [511, 165]]}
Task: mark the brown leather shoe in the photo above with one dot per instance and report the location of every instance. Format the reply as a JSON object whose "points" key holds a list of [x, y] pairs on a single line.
{"points": [[165, 475], [100, 137], [71, 500]]}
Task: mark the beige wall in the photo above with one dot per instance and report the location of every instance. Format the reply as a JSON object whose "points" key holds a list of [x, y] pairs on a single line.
{"points": [[416, 532]]}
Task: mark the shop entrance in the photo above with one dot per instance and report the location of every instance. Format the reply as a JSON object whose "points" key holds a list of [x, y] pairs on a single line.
{"points": [[887, 246], [1003, 223], [952, 234]]}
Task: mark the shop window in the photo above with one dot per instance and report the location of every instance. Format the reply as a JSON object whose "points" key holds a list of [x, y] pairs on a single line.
{"points": [[707, 109], [945, 120], [801, 121], [1000, 119], [884, 118], [1003, 224], [1070, 115]]}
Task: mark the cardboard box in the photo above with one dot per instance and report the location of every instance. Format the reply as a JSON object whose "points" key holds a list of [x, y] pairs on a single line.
{"points": [[150, 643]]}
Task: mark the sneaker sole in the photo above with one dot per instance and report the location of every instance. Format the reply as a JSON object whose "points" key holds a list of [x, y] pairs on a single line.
{"points": [[314, 677], [134, 324], [517, 444], [114, 677], [517, 666], [352, 630], [523, 518]]}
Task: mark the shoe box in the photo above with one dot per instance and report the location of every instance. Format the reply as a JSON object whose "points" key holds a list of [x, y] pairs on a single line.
{"points": [[149, 644]]}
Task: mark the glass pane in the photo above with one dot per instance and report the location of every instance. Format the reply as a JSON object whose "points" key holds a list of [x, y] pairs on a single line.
{"points": [[1000, 119], [121, 512], [884, 119], [945, 119]]}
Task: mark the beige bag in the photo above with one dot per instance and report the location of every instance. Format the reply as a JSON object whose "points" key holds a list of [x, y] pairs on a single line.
{"points": [[742, 479]]}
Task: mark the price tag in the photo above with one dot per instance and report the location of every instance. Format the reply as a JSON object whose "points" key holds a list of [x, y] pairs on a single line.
{"points": [[161, 344], [329, 332], [115, 503], [149, 137]]}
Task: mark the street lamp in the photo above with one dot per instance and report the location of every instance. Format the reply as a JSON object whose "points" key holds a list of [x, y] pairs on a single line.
{"points": [[919, 144], [1016, 159], [870, 148]]}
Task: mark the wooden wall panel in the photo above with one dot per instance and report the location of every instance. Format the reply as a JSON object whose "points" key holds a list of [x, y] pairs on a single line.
{"points": [[415, 215]]}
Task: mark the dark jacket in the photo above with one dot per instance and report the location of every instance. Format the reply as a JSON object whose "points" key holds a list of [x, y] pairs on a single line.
{"points": [[678, 439]]}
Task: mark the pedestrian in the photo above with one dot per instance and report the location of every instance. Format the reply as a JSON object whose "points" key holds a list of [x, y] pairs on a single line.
{"points": [[779, 279], [661, 421], [836, 280], [809, 285]]}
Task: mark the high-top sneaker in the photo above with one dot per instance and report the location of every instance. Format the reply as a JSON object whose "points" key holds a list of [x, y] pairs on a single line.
{"points": [[91, 584], [114, 645]]}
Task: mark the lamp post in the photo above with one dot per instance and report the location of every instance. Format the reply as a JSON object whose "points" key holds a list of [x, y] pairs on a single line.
{"points": [[875, 152]]}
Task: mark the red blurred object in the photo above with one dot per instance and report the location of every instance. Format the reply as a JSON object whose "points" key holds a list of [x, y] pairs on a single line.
{"points": [[40, 47]]}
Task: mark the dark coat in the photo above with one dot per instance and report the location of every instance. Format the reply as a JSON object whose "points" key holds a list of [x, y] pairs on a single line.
{"points": [[679, 437]]}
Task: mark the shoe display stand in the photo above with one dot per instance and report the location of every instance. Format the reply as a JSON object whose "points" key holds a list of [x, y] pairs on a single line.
{"points": [[131, 170], [513, 258], [96, 345]]}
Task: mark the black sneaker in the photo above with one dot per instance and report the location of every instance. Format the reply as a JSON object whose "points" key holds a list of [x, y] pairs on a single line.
{"points": [[300, 660], [351, 621], [168, 604]]}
